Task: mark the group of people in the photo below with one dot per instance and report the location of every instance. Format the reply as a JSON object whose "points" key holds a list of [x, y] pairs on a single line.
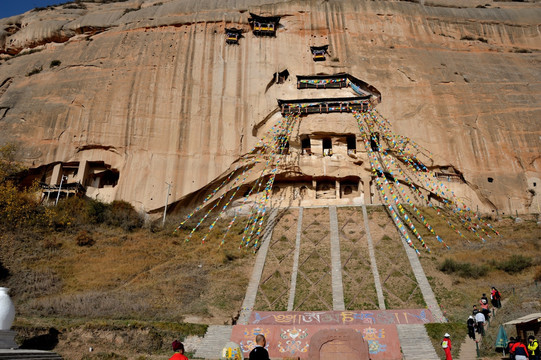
{"points": [[518, 351], [480, 316], [258, 352]]}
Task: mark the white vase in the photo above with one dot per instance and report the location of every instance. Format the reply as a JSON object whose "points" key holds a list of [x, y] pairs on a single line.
{"points": [[7, 310]]}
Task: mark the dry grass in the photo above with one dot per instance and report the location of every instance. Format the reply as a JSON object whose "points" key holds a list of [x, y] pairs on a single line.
{"points": [[155, 276]]}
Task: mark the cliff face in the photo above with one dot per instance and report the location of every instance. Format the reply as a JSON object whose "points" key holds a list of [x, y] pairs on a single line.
{"points": [[151, 90]]}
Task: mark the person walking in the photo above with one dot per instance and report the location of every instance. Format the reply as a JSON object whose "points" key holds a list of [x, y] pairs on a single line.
{"points": [[480, 322], [259, 352], [519, 351], [471, 327], [510, 345], [533, 348], [484, 307], [446, 346], [178, 348], [495, 298]]}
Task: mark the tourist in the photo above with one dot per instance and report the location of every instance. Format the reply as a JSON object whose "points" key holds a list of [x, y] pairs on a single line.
{"points": [[495, 298], [471, 327], [484, 307], [259, 352], [178, 348], [446, 346], [533, 348], [519, 351], [510, 345], [475, 310], [480, 320]]}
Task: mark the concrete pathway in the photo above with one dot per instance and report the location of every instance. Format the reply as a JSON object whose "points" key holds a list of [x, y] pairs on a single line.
{"points": [[422, 281], [336, 263], [214, 341], [253, 285], [12, 354], [468, 350], [373, 264], [295, 270], [415, 343]]}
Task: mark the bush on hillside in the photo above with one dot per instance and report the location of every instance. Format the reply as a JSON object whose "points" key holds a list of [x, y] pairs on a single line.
{"points": [[17, 208], [84, 239], [465, 270], [123, 215], [97, 211], [514, 264]]}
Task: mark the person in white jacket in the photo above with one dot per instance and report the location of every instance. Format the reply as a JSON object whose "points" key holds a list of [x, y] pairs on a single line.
{"points": [[480, 321]]}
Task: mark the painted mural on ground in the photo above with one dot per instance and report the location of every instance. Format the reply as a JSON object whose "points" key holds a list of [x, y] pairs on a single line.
{"points": [[402, 316], [294, 340]]}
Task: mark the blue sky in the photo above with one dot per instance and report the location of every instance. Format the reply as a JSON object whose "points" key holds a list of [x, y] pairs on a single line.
{"points": [[15, 7]]}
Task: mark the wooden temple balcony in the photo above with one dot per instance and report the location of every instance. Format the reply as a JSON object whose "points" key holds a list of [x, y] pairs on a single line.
{"points": [[264, 25], [338, 81], [324, 105], [232, 36]]}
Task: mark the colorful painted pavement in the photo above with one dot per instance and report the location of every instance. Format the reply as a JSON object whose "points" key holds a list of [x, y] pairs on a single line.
{"points": [[382, 317], [294, 341], [288, 334]]}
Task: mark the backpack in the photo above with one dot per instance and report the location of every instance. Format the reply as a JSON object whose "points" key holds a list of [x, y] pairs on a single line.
{"points": [[444, 344]]}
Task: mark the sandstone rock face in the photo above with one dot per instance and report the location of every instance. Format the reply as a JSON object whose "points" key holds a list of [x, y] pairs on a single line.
{"points": [[150, 90]]}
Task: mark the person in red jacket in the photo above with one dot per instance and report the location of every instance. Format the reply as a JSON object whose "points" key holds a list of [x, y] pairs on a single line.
{"points": [[520, 351], [178, 348], [446, 346]]}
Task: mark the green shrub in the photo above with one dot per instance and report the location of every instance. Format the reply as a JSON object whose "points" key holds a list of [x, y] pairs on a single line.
{"points": [[97, 211], [123, 215], [515, 264], [465, 270], [55, 63]]}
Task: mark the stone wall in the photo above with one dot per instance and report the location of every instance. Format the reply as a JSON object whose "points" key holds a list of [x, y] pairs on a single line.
{"points": [[150, 87]]}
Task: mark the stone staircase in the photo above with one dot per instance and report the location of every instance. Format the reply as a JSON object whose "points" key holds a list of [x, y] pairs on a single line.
{"points": [[28, 355], [415, 343], [468, 350], [215, 339]]}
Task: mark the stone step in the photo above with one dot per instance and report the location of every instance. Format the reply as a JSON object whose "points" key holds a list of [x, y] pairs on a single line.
{"points": [[415, 343], [28, 354], [214, 341], [468, 350]]}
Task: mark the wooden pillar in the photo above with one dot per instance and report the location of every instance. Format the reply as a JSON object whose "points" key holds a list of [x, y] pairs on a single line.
{"points": [[82, 172], [337, 188], [57, 174]]}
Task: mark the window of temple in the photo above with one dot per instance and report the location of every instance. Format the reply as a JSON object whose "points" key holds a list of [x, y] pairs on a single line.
{"points": [[303, 192], [325, 190], [327, 147], [349, 189], [352, 144], [306, 146], [232, 36], [319, 52]]}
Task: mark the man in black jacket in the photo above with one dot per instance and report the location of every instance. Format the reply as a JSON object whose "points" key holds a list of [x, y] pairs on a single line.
{"points": [[259, 352]]}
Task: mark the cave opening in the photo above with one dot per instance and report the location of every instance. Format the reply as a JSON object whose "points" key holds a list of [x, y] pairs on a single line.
{"points": [[351, 144], [327, 147], [306, 145]]}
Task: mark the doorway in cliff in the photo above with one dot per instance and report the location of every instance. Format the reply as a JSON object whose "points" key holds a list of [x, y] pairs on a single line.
{"points": [[327, 147]]}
